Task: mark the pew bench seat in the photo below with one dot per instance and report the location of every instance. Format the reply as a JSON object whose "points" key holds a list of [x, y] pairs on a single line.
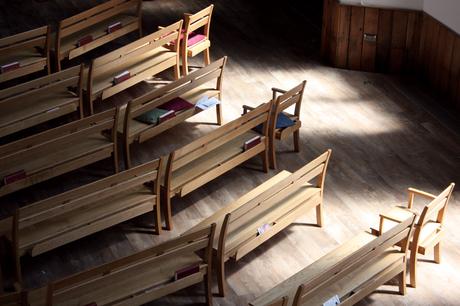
{"points": [[97, 31], [70, 224], [139, 131], [198, 172]]}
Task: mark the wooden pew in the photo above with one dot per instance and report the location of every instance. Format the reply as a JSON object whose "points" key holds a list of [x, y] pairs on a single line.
{"points": [[14, 299], [265, 211], [139, 278], [66, 217], [56, 151], [191, 88], [350, 272], [40, 100], [95, 27], [210, 156], [428, 229], [10, 267], [132, 64], [24, 53]]}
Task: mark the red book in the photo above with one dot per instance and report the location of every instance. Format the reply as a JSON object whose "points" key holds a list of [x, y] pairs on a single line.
{"points": [[113, 27], [121, 77], [10, 67], [170, 114], [84, 40], [177, 104], [194, 39], [187, 271], [251, 143], [13, 177]]}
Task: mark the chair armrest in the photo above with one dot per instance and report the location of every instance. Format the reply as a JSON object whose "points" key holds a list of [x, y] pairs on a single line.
{"points": [[396, 214], [247, 108], [277, 90], [160, 27], [421, 193]]}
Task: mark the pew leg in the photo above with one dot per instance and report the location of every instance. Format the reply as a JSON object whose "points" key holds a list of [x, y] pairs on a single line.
{"points": [[177, 71], [265, 160], [207, 57], [207, 288], [437, 253], [219, 114], [412, 268], [184, 64], [402, 281], [296, 135], [272, 154], [157, 212], [127, 155], [221, 277], [115, 159], [166, 200], [319, 215]]}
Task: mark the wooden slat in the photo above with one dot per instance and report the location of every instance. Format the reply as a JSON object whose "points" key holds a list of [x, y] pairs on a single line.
{"points": [[384, 40], [398, 40], [343, 21], [371, 21], [356, 38]]}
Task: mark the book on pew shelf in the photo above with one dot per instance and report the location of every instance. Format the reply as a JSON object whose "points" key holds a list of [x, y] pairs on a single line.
{"points": [[254, 141], [332, 301], [206, 102], [177, 104], [113, 27], [13, 177], [152, 116], [84, 40], [262, 229], [168, 115], [187, 271], [10, 67], [121, 77]]}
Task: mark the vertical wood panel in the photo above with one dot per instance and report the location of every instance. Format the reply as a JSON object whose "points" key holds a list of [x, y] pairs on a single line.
{"points": [[343, 36], [412, 40], [356, 38], [398, 40], [325, 28], [384, 39], [433, 51], [445, 58], [454, 79], [371, 21]]}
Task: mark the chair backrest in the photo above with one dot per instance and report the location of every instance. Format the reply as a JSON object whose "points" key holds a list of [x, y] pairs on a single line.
{"points": [[9, 261], [193, 22], [199, 241], [218, 137], [287, 99], [400, 233], [157, 97], [14, 299], [435, 210]]}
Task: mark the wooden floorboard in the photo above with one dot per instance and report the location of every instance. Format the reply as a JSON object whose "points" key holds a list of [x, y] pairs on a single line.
{"points": [[383, 140]]}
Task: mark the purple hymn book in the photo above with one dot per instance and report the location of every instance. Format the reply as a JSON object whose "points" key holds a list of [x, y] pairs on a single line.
{"points": [[170, 114], [177, 104], [251, 143], [121, 77], [187, 271], [13, 177], [84, 40], [10, 67], [113, 27]]}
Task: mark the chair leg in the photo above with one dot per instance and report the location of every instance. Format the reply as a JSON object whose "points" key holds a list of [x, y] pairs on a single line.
{"points": [[184, 65], [412, 268], [207, 57], [265, 161], [207, 288], [319, 215], [115, 160], [166, 200], [221, 284], [402, 281], [296, 135], [157, 220], [219, 114], [272, 154], [127, 156], [437, 253], [177, 71]]}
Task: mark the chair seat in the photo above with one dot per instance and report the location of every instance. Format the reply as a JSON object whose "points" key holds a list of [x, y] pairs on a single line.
{"points": [[66, 225], [24, 57], [127, 282], [36, 108], [198, 47], [429, 236], [208, 161], [285, 132], [97, 31]]}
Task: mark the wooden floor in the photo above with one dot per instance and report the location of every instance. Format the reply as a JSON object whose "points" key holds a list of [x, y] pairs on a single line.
{"points": [[382, 136]]}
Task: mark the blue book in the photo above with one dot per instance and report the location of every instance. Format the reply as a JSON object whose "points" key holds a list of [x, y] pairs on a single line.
{"points": [[282, 122]]}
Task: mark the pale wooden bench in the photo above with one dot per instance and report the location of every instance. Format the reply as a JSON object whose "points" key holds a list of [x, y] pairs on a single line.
{"points": [[69, 216], [24, 53], [428, 228], [191, 88], [142, 59], [350, 272], [275, 204], [88, 30], [139, 278], [40, 100], [59, 150], [210, 156]]}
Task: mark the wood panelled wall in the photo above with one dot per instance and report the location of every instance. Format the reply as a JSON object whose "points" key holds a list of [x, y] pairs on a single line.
{"points": [[405, 42]]}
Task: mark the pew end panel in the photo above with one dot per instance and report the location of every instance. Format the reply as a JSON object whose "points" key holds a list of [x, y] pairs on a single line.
{"points": [[10, 267]]}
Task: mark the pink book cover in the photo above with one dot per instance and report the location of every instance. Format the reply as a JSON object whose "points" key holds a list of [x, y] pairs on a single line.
{"points": [[196, 38], [121, 77], [251, 143], [84, 40], [13, 177], [177, 104], [10, 67], [166, 116], [113, 27], [187, 271]]}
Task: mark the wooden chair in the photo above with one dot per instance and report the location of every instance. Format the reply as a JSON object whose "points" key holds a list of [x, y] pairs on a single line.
{"points": [[287, 99], [350, 272], [24, 53], [59, 150], [132, 64], [10, 266], [40, 100], [265, 211], [428, 229], [196, 42], [14, 299], [210, 156], [95, 27], [139, 278], [69, 216], [191, 88]]}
